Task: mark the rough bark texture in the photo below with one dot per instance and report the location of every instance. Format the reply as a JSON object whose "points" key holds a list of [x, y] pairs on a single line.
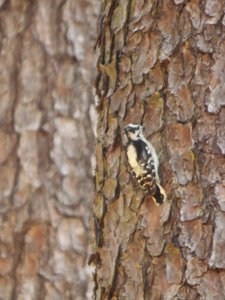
{"points": [[47, 68], [162, 64]]}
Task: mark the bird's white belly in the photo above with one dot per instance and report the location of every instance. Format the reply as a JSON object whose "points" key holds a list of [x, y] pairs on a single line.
{"points": [[132, 160]]}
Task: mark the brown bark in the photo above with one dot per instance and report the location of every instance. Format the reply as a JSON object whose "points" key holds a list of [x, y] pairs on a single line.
{"points": [[161, 64], [46, 146]]}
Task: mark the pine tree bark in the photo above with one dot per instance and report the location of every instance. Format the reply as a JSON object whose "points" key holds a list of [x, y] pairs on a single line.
{"points": [[161, 64], [47, 70]]}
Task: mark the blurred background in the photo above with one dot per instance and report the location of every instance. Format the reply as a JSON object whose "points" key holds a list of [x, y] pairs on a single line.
{"points": [[47, 118]]}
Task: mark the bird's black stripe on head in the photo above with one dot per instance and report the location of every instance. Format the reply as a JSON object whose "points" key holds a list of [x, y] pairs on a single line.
{"points": [[132, 127]]}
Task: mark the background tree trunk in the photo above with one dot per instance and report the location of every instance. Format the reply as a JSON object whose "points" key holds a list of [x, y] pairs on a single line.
{"points": [[46, 146], [162, 64]]}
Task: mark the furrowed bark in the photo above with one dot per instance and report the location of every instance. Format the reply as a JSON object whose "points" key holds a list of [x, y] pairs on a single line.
{"points": [[161, 64]]}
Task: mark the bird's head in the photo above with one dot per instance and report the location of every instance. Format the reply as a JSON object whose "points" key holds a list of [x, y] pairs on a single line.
{"points": [[133, 131]]}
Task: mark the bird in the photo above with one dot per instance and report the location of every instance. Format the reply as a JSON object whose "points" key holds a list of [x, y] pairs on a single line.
{"points": [[143, 162]]}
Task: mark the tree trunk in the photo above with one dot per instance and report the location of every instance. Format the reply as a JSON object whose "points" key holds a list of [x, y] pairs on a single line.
{"points": [[161, 64], [47, 70]]}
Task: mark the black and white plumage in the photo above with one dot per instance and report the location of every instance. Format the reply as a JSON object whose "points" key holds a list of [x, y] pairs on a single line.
{"points": [[143, 161]]}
